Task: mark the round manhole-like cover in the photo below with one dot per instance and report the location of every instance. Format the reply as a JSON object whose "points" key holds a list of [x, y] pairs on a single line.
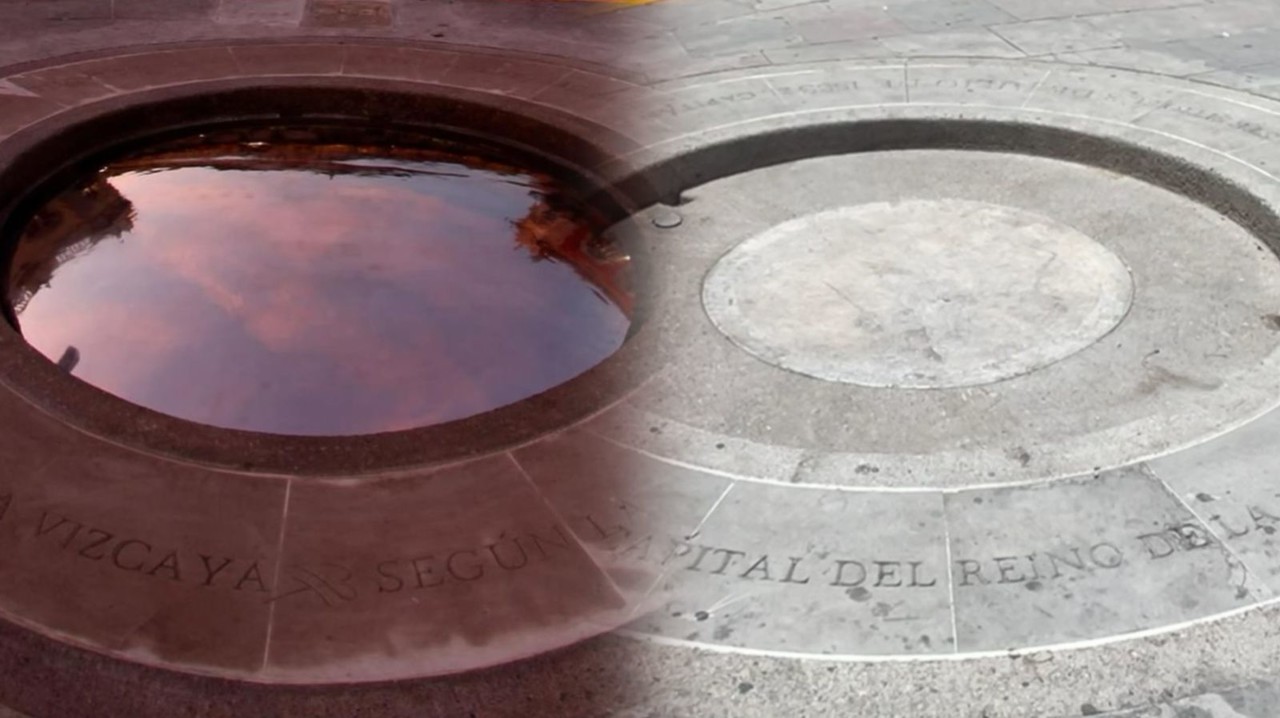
{"points": [[918, 293]]}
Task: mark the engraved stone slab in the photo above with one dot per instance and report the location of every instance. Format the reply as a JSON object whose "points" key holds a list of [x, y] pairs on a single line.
{"points": [[86, 552], [349, 13], [1230, 482], [1075, 560], [813, 571], [631, 511], [260, 12], [459, 569]]}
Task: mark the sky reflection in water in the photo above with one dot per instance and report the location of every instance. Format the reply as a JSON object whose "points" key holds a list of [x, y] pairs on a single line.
{"points": [[305, 302]]}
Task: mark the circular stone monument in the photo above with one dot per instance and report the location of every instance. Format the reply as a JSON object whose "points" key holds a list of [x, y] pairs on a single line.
{"points": [[1115, 481], [960, 360]]}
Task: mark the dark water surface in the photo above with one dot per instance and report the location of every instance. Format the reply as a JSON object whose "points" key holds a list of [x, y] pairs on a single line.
{"points": [[313, 287]]}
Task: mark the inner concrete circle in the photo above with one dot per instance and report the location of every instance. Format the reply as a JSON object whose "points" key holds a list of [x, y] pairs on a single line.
{"points": [[921, 294]]}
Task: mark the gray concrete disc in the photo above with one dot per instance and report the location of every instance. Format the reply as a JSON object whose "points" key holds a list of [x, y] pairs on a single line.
{"points": [[921, 294]]}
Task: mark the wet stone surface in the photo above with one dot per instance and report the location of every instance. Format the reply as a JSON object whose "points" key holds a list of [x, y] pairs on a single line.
{"points": [[307, 281]]}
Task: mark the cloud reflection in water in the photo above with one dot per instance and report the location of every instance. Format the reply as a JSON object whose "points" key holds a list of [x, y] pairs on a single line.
{"points": [[327, 298]]}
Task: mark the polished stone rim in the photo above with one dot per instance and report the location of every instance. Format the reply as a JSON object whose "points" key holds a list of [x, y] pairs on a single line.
{"points": [[666, 177]]}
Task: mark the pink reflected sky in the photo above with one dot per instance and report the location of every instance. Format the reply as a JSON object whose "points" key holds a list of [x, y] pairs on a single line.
{"points": [[294, 302]]}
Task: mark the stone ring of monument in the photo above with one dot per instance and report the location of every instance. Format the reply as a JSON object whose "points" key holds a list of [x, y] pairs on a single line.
{"points": [[281, 558], [959, 359]]}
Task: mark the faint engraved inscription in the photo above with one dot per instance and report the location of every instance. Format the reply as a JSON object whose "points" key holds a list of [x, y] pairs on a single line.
{"points": [[511, 552], [1252, 520], [774, 567], [1039, 566], [1254, 129], [879, 87], [681, 107], [1032, 568], [323, 581], [350, 13]]}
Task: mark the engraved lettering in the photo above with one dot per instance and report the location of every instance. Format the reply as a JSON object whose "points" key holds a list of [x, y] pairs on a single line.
{"points": [[563, 541], [1105, 555], [1005, 566], [791, 572], [673, 109], [103, 538], [383, 568], [475, 571], [841, 580], [915, 575], [118, 551], [169, 564], [251, 576], [1035, 570], [1021, 569], [209, 571], [762, 566], [1227, 528], [702, 553], [72, 536], [888, 571], [729, 556], [604, 535], [424, 570], [970, 569], [1079, 93], [1250, 128], [1056, 559], [1192, 536], [514, 563], [1259, 516], [1158, 545], [43, 529]]}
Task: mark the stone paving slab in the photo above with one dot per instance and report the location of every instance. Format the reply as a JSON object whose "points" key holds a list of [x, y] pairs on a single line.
{"points": [[1087, 558], [790, 579]]}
